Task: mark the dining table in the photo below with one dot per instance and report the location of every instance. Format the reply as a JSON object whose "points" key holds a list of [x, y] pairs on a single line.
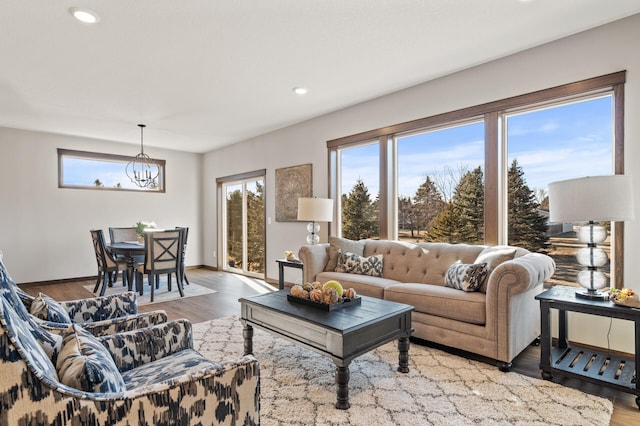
{"points": [[130, 250]]}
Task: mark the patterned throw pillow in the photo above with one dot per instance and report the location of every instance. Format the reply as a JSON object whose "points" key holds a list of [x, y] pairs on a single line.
{"points": [[46, 308], [494, 256], [354, 264], [466, 277], [336, 244], [85, 364]]}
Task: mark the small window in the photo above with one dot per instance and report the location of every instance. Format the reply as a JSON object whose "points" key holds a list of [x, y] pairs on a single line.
{"points": [[91, 170]]}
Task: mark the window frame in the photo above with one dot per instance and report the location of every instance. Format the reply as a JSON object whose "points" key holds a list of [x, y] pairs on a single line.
{"points": [[491, 113], [97, 156]]}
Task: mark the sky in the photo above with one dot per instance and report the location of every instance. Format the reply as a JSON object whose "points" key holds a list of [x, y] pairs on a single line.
{"points": [[563, 142]]}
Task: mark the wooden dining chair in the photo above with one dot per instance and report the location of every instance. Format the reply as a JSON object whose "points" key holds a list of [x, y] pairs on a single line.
{"points": [[108, 264], [162, 255], [185, 235], [121, 235]]}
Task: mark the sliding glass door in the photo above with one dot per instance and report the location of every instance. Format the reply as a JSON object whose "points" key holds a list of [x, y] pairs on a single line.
{"points": [[244, 226]]}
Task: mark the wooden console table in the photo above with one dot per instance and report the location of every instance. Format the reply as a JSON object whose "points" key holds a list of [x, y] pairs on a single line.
{"points": [[593, 366]]}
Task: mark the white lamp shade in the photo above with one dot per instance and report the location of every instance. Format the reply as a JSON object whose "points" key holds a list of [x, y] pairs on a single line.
{"points": [[315, 209], [596, 198]]}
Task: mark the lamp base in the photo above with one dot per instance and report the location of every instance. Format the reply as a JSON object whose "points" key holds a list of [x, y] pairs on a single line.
{"points": [[585, 293]]}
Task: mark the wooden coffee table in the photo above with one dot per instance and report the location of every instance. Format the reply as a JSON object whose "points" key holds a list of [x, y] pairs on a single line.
{"points": [[341, 335]]}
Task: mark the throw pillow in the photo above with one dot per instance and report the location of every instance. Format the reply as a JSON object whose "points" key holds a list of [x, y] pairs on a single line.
{"points": [[47, 309], [335, 244], [85, 364], [494, 256], [354, 264], [466, 277]]}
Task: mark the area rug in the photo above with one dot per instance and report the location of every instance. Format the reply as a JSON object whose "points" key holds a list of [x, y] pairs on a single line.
{"points": [[297, 387], [161, 294]]}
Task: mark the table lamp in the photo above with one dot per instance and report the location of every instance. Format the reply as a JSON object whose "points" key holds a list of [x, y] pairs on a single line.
{"points": [[315, 210], [591, 199]]}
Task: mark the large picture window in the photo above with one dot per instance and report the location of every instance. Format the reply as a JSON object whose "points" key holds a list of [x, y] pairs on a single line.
{"points": [[91, 170], [479, 175]]}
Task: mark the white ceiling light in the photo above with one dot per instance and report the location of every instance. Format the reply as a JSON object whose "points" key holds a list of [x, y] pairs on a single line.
{"points": [[84, 15], [300, 90]]}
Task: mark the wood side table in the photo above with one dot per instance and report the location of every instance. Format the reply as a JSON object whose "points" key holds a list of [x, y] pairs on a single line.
{"points": [[593, 366], [282, 263]]}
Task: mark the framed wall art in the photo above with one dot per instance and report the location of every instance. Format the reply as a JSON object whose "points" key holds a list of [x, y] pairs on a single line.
{"points": [[292, 183]]}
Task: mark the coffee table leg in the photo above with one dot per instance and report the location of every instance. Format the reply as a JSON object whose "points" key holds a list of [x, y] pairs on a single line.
{"points": [[342, 385], [247, 333], [403, 354]]}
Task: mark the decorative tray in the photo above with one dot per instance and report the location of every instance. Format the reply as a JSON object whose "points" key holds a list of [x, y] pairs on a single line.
{"points": [[325, 307]]}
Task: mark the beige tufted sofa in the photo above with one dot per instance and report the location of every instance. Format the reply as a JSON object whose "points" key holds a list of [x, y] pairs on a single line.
{"points": [[497, 322]]}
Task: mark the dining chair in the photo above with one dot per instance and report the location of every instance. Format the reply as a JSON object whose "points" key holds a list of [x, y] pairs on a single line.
{"points": [[108, 264], [120, 235], [162, 255], [185, 235]]}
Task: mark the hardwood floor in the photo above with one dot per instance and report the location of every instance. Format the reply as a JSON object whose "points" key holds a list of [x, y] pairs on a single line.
{"points": [[231, 287]]}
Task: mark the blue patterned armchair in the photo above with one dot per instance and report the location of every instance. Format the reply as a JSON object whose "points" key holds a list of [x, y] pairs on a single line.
{"points": [[67, 376], [99, 315]]}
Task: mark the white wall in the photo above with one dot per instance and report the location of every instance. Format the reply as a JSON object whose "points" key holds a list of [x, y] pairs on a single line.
{"points": [[593, 53], [44, 230]]}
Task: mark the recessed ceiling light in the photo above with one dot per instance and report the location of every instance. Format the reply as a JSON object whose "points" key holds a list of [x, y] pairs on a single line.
{"points": [[300, 90], [84, 15]]}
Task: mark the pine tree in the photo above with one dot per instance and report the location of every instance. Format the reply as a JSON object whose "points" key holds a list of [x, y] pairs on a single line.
{"points": [[446, 226], [468, 202], [427, 205], [234, 228], [359, 217], [255, 229], [526, 227], [406, 215], [462, 221]]}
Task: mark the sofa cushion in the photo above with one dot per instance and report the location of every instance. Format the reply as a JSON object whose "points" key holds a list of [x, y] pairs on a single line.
{"points": [[466, 277], [403, 261], [494, 256], [344, 244], [85, 364], [441, 301], [353, 264], [46, 308]]}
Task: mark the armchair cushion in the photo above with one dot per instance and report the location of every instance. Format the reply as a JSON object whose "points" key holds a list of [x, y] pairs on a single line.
{"points": [[170, 369], [138, 347], [46, 308], [85, 364]]}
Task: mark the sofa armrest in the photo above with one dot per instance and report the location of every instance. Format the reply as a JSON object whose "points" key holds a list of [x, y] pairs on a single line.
{"points": [[314, 258], [102, 307], [521, 274], [135, 348]]}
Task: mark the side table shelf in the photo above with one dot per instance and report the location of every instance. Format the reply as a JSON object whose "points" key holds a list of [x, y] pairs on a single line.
{"points": [[593, 366], [599, 367]]}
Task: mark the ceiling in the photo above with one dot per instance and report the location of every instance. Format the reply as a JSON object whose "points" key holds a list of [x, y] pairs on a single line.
{"points": [[202, 74]]}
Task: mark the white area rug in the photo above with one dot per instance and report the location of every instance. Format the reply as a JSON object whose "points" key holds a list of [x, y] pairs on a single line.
{"points": [[159, 295], [298, 387]]}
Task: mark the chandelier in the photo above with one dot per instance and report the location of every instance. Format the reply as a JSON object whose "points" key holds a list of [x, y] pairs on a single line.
{"points": [[142, 170]]}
